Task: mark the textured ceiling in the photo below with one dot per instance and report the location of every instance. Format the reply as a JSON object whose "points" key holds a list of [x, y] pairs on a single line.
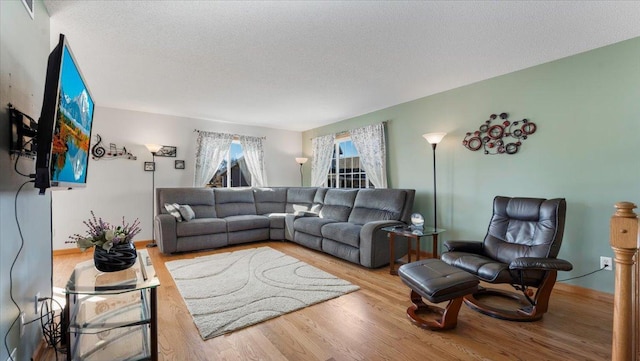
{"points": [[302, 64]]}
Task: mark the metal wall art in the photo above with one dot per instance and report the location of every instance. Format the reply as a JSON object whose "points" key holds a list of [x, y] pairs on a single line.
{"points": [[99, 152], [503, 138], [167, 151]]}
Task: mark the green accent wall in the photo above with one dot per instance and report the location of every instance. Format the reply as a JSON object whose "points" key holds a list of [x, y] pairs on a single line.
{"points": [[586, 149]]}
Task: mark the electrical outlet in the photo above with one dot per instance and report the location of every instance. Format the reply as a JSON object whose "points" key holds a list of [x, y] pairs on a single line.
{"points": [[37, 297], [606, 263], [21, 324]]}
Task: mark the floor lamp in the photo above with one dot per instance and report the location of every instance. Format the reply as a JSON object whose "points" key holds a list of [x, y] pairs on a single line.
{"points": [[153, 148], [434, 139], [301, 161]]}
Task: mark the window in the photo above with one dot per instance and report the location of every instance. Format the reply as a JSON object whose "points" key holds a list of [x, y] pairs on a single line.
{"points": [[232, 172], [345, 171]]}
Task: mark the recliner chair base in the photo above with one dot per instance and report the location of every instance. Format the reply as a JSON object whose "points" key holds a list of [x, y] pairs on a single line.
{"points": [[526, 313]]}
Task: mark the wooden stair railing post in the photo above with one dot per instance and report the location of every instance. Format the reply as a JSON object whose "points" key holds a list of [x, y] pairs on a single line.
{"points": [[624, 242]]}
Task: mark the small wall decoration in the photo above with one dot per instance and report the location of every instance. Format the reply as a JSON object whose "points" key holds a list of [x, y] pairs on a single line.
{"points": [[149, 166], [99, 152], [166, 151], [179, 164], [503, 138]]}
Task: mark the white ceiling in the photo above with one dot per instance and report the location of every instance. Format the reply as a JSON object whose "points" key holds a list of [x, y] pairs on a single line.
{"points": [[298, 65]]}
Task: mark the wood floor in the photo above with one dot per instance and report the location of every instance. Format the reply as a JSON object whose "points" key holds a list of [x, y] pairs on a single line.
{"points": [[371, 324]]}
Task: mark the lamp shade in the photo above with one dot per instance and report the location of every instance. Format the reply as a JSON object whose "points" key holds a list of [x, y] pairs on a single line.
{"points": [[301, 160], [153, 148], [434, 138]]}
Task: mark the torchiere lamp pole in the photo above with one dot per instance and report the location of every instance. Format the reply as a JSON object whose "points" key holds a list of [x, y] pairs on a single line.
{"points": [[153, 148], [301, 161], [434, 139]]}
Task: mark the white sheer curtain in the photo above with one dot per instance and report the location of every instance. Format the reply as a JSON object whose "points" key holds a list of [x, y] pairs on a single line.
{"points": [[321, 162], [370, 144], [211, 149], [254, 156]]}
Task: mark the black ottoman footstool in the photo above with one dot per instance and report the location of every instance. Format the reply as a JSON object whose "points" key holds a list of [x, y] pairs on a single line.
{"points": [[437, 282]]}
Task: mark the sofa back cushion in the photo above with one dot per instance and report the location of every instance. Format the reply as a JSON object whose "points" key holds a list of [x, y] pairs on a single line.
{"points": [[234, 202], [377, 205], [300, 199], [201, 200], [338, 203], [270, 200]]}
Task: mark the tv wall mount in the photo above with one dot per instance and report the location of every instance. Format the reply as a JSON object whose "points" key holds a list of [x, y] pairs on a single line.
{"points": [[24, 131]]}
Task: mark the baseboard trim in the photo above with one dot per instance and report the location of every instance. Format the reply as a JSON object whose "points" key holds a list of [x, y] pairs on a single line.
{"points": [[62, 252]]}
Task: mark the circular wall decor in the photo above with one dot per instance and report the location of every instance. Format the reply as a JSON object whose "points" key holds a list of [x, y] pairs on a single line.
{"points": [[494, 138]]}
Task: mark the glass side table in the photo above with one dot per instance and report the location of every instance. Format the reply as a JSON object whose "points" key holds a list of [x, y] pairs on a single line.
{"points": [[410, 234], [112, 315]]}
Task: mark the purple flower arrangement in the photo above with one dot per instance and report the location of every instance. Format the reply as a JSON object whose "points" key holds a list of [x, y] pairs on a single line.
{"points": [[105, 235]]}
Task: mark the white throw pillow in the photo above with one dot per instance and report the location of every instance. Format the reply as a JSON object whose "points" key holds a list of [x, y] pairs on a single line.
{"points": [[174, 210], [187, 213]]}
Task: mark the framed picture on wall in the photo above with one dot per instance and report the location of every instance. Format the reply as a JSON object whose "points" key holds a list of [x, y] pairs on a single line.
{"points": [[149, 166], [179, 164], [167, 151]]}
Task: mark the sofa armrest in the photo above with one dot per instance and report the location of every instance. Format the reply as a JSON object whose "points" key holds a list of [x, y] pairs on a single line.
{"points": [[374, 244], [166, 236], [366, 233], [463, 246], [544, 264]]}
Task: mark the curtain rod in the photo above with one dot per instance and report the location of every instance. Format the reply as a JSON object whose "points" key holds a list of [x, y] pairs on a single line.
{"points": [[347, 132], [234, 135]]}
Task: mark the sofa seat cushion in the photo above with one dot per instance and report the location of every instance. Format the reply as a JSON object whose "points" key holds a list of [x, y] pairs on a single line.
{"points": [[311, 225], [343, 232], [201, 226], [276, 219], [246, 222]]}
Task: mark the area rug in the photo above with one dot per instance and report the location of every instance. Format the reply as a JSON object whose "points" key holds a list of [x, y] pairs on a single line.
{"points": [[229, 291]]}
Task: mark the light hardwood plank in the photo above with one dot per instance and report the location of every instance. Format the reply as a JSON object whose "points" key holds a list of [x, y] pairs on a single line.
{"points": [[371, 324]]}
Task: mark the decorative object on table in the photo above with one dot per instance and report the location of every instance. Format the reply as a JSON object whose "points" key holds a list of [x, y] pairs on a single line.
{"points": [[113, 245], [99, 152], [166, 151], [417, 221], [503, 138], [249, 286], [154, 149], [434, 139], [301, 161], [179, 164]]}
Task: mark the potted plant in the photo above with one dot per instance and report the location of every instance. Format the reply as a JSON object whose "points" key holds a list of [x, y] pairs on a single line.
{"points": [[113, 245]]}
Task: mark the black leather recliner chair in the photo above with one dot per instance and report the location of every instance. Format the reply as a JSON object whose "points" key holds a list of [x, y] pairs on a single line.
{"points": [[520, 248]]}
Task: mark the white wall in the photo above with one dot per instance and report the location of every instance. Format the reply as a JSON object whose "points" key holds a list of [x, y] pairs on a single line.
{"points": [[24, 48], [120, 187]]}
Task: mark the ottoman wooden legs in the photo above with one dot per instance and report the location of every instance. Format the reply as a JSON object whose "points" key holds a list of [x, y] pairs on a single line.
{"points": [[433, 317]]}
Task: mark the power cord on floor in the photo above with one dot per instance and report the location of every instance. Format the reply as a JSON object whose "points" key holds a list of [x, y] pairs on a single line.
{"points": [[584, 275]]}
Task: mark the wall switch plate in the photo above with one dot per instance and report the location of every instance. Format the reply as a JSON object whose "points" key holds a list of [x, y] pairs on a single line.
{"points": [[21, 324], [37, 297], [606, 263]]}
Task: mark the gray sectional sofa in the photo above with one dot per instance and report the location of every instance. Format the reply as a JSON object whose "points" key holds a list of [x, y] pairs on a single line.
{"points": [[342, 222]]}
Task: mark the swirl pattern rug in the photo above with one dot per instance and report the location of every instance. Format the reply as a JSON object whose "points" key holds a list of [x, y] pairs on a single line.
{"points": [[229, 291]]}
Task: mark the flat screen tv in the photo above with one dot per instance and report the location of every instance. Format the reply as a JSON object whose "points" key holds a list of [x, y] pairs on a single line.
{"points": [[64, 127]]}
